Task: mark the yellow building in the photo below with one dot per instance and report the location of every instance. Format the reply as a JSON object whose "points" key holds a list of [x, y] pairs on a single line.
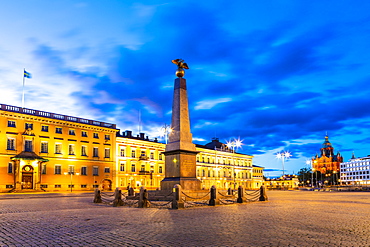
{"points": [[140, 162], [257, 176], [286, 182], [53, 152], [220, 166]]}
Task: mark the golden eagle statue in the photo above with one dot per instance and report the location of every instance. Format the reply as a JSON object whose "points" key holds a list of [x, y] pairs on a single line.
{"points": [[180, 72]]}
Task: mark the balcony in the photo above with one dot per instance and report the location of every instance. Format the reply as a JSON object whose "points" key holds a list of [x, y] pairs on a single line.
{"points": [[144, 172], [143, 157]]}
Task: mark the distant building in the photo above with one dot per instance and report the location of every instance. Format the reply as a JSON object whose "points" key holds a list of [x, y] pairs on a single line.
{"points": [[327, 160], [284, 182], [356, 171]]}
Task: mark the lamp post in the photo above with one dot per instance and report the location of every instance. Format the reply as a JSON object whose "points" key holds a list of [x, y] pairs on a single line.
{"points": [[165, 130], [235, 144], [283, 156], [313, 170], [71, 173]]}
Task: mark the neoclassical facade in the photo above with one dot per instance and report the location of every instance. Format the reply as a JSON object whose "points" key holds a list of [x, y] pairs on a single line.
{"points": [[43, 151]]}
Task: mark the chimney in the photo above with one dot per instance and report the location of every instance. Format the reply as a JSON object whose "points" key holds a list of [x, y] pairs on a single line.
{"points": [[128, 133], [142, 136]]}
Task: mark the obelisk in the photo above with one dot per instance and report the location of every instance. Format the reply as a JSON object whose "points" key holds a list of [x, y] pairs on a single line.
{"points": [[180, 154]]}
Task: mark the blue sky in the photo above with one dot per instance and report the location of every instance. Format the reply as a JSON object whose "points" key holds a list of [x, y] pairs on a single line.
{"points": [[277, 74]]}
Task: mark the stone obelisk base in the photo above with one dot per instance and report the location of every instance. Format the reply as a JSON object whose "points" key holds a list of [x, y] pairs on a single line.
{"points": [[180, 169]]}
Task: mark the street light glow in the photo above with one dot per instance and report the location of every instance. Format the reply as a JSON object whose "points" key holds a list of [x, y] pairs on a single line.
{"points": [[284, 155]]}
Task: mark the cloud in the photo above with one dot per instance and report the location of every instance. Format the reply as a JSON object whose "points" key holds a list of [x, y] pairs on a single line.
{"points": [[209, 104]]}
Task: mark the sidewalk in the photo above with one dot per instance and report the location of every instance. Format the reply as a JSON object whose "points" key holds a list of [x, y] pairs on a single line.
{"points": [[24, 195]]}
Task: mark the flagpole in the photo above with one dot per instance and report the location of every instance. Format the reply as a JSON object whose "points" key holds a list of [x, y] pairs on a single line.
{"points": [[24, 70]]}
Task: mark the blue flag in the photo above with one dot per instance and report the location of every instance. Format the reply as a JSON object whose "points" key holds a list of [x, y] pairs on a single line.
{"points": [[27, 74]]}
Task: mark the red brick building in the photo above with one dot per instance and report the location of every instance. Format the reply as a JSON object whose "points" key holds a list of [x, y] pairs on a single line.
{"points": [[327, 161]]}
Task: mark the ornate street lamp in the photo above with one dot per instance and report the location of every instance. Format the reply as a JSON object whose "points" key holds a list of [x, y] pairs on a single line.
{"points": [[284, 155], [235, 144], [165, 131]]}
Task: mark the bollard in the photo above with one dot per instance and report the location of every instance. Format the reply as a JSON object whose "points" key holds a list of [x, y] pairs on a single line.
{"points": [[131, 191], [229, 191], [263, 196], [212, 200], [97, 196], [176, 202], [240, 195], [143, 201], [117, 198]]}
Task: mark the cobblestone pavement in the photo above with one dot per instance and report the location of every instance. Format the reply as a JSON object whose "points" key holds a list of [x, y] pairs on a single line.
{"points": [[289, 218]]}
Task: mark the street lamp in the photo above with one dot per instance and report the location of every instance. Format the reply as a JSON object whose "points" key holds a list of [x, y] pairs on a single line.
{"points": [[71, 173], [235, 144], [283, 156], [165, 131]]}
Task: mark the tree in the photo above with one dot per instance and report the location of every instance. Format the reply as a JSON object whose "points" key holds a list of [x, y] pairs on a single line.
{"points": [[304, 174]]}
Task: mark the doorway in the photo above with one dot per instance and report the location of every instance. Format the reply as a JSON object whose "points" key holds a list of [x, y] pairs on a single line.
{"points": [[27, 177]]}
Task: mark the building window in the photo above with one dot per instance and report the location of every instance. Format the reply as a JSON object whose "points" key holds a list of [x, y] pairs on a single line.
{"points": [[106, 170], [142, 168], [95, 171], [71, 132], [10, 167], [133, 154], [9, 186], [152, 155], [84, 170], [57, 186], [44, 128], [96, 152], [58, 130], [28, 126], [160, 157], [71, 149], [58, 148], [84, 133], [71, 185], [44, 186], [83, 151], [28, 146], [44, 147], [96, 135], [160, 169], [10, 144], [11, 123], [83, 186], [107, 153], [122, 152], [122, 167], [143, 154], [57, 169], [43, 169], [107, 137], [133, 168], [71, 169]]}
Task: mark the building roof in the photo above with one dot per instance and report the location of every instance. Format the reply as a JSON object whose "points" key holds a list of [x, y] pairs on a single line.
{"points": [[44, 114], [28, 156]]}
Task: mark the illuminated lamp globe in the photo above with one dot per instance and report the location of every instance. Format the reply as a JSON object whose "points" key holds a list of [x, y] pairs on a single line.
{"points": [[180, 72]]}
